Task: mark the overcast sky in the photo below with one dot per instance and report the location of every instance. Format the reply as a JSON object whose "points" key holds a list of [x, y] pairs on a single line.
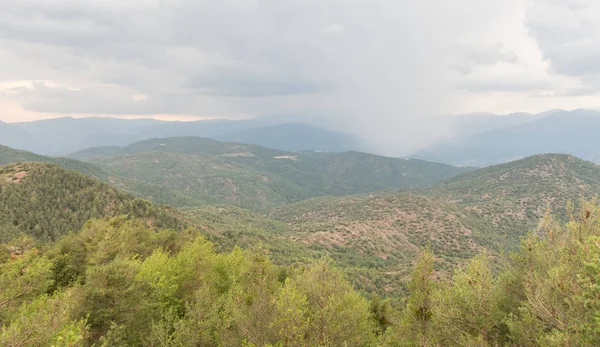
{"points": [[372, 66]]}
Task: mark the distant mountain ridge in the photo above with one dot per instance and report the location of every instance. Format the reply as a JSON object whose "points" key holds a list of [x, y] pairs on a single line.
{"points": [[295, 137], [13, 136], [473, 140], [62, 136], [570, 132]]}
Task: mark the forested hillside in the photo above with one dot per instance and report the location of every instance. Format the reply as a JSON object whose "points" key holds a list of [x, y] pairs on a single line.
{"points": [[513, 197], [120, 282], [46, 202], [376, 236], [259, 178], [84, 263]]}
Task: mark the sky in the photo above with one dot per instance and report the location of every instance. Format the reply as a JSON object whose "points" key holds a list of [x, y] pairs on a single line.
{"points": [[380, 68]]}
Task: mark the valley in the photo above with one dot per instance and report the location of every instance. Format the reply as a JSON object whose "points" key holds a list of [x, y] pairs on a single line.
{"points": [[255, 177], [374, 218], [324, 173], [378, 215]]}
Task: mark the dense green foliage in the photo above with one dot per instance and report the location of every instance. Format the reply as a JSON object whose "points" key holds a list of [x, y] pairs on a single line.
{"points": [[229, 226], [83, 264], [46, 202], [546, 295], [119, 282], [259, 178]]}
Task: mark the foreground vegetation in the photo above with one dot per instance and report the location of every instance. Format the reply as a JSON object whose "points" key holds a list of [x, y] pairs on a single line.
{"points": [[84, 264], [120, 282]]}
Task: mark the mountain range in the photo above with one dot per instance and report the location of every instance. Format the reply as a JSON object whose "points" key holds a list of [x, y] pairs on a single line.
{"points": [[62, 136], [193, 171], [492, 209], [477, 139], [402, 205], [569, 132]]}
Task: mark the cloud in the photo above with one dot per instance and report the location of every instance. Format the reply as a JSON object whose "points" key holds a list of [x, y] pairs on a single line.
{"points": [[380, 68], [568, 35], [108, 100], [238, 82], [486, 55]]}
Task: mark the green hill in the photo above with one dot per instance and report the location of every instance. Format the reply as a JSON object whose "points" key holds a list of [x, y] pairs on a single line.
{"points": [[9, 155], [491, 209], [377, 236], [46, 201], [138, 188], [94, 153], [122, 283], [512, 197], [259, 178]]}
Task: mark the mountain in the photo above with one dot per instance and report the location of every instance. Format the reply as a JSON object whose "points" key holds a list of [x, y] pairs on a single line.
{"points": [[295, 137], [377, 236], [513, 197], [127, 281], [62, 136], [95, 153], [570, 132], [479, 123], [9, 155], [13, 136], [259, 178], [46, 201]]}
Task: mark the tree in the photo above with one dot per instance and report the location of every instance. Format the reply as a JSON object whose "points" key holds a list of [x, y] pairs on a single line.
{"points": [[415, 325], [467, 312], [45, 321]]}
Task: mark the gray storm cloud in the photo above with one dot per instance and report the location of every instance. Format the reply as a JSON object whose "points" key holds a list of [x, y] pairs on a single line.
{"points": [[380, 68]]}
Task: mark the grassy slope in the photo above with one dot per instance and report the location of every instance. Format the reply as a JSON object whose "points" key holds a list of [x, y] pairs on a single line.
{"points": [[260, 178]]}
